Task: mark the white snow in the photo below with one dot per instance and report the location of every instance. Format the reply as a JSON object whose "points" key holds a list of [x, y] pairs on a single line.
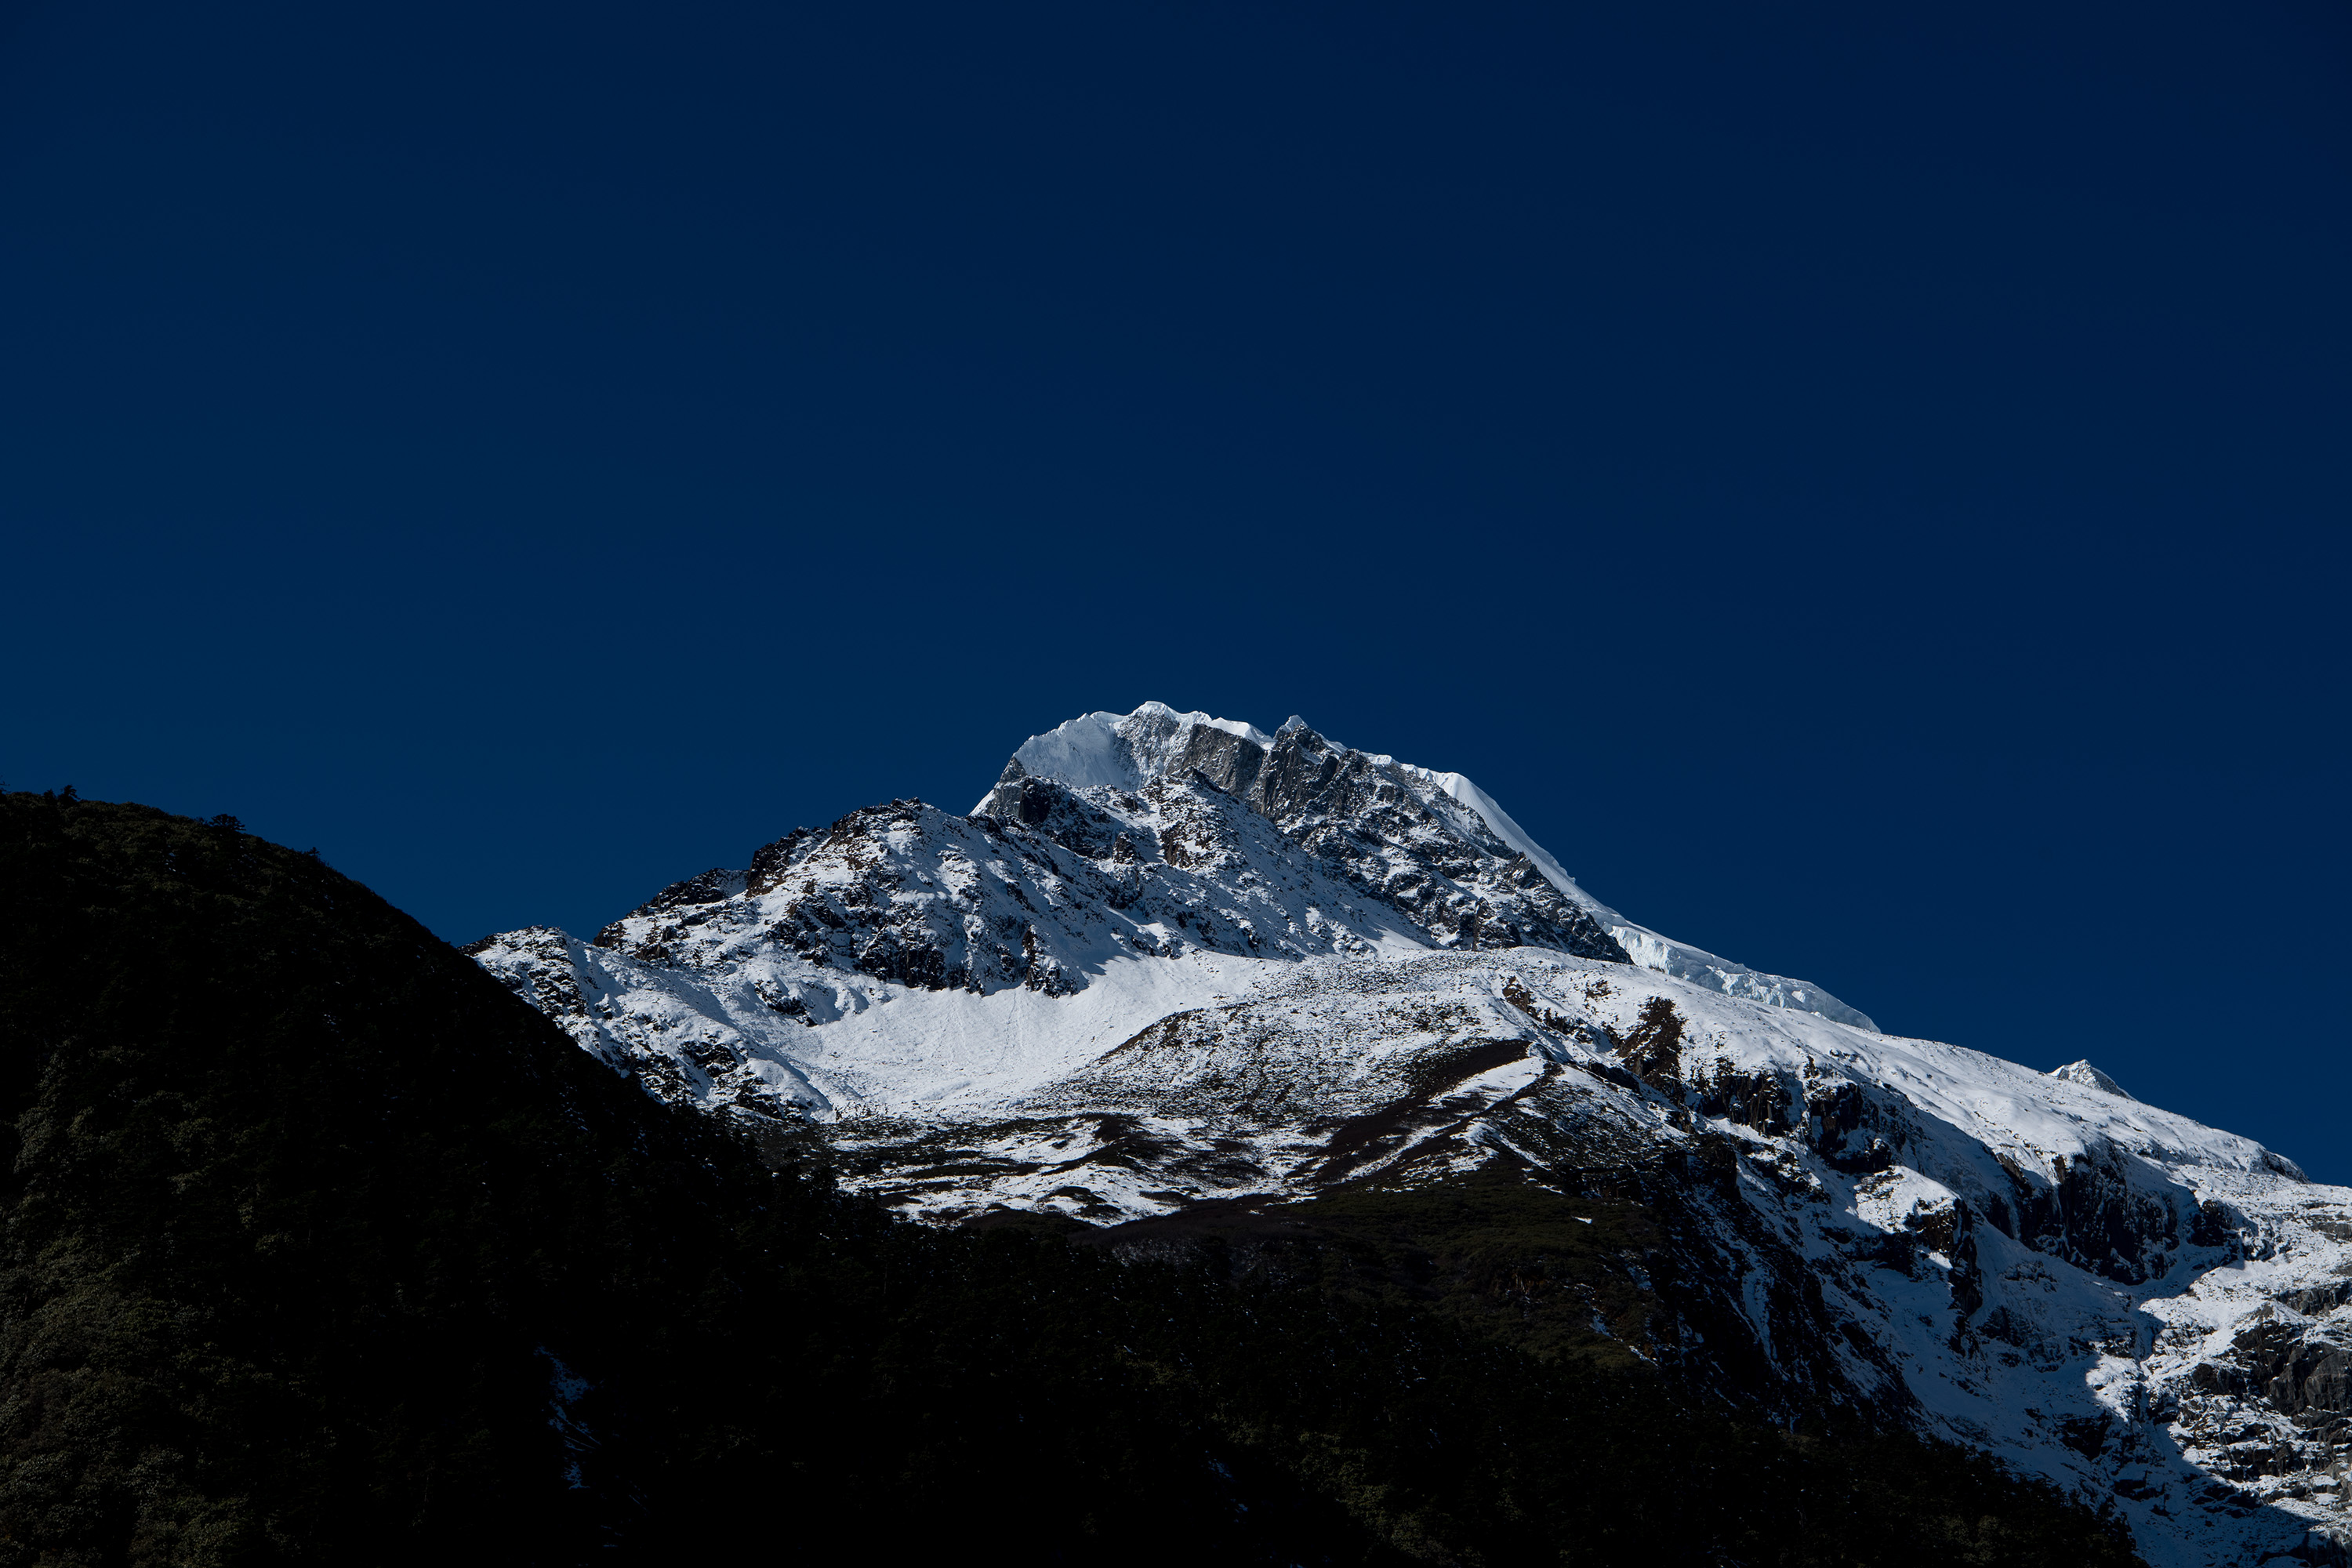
{"points": [[1337, 1002]]}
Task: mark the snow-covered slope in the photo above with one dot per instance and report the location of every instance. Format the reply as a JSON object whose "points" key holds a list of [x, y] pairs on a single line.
{"points": [[1172, 958]]}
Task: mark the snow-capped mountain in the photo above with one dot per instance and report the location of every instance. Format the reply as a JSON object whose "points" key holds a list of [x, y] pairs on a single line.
{"points": [[1170, 960]]}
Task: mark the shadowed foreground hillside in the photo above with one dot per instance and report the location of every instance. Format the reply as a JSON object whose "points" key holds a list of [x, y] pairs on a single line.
{"points": [[319, 1246]]}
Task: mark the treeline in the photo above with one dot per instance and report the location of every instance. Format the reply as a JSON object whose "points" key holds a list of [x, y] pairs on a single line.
{"points": [[321, 1247]]}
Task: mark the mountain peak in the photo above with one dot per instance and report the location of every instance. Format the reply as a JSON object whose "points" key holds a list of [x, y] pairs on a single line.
{"points": [[1297, 771], [1122, 751], [2089, 1076]]}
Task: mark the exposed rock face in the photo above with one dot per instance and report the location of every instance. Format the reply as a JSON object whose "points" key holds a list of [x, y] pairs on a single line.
{"points": [[2276, 1401], [708, 887], [1359, 818], [1176, 964]]}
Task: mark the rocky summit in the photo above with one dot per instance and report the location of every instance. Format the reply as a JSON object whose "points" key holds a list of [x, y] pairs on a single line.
{"points": [[1174, 975]]}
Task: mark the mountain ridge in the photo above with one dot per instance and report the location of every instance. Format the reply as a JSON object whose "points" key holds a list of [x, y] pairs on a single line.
{"points": [[1217, 966]]}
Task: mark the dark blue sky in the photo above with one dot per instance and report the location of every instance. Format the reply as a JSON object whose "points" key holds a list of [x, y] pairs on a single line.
{"points": [[1864, 485]]}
